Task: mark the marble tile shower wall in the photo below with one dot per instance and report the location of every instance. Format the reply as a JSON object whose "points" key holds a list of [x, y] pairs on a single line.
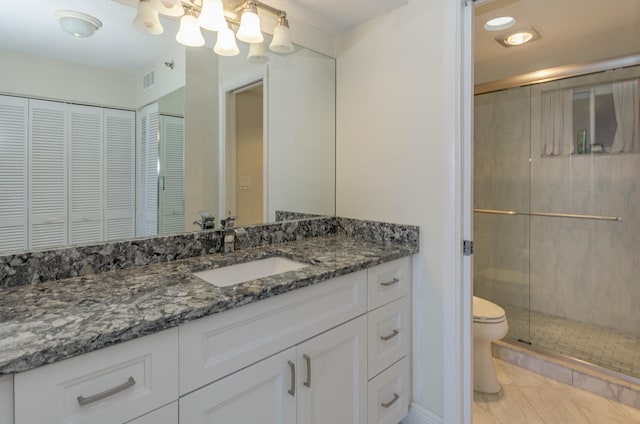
{"points": [[35, 267], [580, 269]]}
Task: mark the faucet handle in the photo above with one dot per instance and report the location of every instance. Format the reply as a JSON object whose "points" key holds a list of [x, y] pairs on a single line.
{"points": [[229, 222], [205, 214]]}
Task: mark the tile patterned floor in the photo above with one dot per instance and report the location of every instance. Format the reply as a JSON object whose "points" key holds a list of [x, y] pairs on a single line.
{"points": [[529, 398], [602, 346]]}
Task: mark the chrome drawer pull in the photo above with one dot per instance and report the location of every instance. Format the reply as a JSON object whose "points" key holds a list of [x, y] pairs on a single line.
{"points": [[292, 391], [390, 283], [308, 359], [390, 336], [391, 402], [109, 392]]}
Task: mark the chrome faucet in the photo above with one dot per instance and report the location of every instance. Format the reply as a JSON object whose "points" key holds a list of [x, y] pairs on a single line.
{"points": [[230, 233], [206, 222]]}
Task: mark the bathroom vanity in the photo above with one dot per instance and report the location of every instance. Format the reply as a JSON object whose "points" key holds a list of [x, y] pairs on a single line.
{"points": [[328, 342]]}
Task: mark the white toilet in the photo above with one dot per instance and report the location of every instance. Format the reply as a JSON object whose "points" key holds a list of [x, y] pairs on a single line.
{"points": [[489, 324]]}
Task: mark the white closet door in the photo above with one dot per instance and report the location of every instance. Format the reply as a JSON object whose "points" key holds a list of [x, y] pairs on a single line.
{"points": [[14, 112], [85, 175], [120, 176], [171, 191], [48, 133], [148, 172]]}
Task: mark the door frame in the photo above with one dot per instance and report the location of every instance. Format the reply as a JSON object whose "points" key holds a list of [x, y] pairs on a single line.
{"points": [[227, 140]]}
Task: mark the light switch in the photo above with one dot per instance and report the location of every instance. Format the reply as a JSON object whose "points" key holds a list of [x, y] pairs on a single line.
{"points": [[244, 181]]}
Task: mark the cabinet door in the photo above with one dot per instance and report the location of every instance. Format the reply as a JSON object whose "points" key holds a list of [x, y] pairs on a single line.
{"points": [[171, 190], [168, 414], [332, 376], [261, 393]]}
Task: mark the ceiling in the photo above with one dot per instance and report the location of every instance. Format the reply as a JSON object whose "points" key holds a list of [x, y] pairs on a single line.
{"points": [[573, 31], [30, 26]]}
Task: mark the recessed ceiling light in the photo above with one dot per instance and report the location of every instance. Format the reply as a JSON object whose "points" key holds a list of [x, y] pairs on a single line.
{"points": [[518, 38], [498, 24], [78, 24]]}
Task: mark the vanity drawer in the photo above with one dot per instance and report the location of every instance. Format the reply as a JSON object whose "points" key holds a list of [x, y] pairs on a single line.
{"points": [[216, 346], [389, 333], [110, 385], [388, 282], [168, 414], [389, 394]]}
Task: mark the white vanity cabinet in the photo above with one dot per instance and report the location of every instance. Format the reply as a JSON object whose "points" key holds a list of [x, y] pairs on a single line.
{"points": [[334, 352]]}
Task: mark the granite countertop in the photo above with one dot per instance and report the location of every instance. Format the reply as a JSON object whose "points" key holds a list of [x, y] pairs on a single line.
{"points": [[48, 322]]}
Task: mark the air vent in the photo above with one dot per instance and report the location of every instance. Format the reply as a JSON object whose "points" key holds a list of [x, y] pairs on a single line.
{"points": [[149, 80]]}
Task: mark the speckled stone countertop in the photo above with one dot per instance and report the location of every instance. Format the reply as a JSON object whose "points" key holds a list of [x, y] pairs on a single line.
{"points": [[48, 322]]}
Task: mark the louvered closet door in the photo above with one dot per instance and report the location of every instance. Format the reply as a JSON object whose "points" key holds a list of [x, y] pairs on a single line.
{"points": [[120, 176], [14, 113], [171, 190], [85, 175], [47, 177], [147, 162]]}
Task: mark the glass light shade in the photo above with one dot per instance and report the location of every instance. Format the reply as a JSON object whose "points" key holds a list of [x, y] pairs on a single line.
{"points": [[189, 33], [212, 16], [168, 7], [249, 30], [518, 38], [147, 20], [226, 43], [500, 23], [281, 42], [77, 24], [257, 54]]}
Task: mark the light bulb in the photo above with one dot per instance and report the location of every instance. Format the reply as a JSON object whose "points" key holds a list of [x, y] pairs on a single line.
{"points": [[281, 42], [249, 30], [147, 20], [226, 43], [212, 16], [189, 33]]}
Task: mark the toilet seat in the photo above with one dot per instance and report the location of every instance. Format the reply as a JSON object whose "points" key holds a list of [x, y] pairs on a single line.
{"points": [[486, 312]]}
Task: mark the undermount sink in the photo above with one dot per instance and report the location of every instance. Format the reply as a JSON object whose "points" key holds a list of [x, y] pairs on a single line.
{"points": [[247, 271]]}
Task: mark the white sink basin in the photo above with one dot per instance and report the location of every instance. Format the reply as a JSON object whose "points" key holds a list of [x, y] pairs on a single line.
{"points": [[239, 273]]}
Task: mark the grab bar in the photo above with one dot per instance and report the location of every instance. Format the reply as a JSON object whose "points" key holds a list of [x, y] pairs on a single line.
{"points": [[551, 215]]}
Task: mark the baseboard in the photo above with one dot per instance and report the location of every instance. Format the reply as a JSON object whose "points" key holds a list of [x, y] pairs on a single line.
{"points": [[420, 415]]}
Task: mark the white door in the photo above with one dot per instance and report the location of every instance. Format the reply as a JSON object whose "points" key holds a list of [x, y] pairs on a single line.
{"points": [[120, 183], [14, 112], [86, 197], [171, 188], [147, 161], [260, 393], [332, 376], [48, 134]]}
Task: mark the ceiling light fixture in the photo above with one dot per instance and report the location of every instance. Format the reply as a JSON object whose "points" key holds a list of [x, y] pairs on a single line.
{"points": [[78, 24], [518, 38], [500, 23], [210, 15]]}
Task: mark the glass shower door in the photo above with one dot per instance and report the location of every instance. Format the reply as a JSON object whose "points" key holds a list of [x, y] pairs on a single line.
{"points": [[502, 148]]}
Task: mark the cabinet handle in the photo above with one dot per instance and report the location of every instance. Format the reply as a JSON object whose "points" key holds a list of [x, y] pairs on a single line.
{"points": [[292, 391], [109, 392], [390, 336], [391, 402], [390, 283], [308, 359]]}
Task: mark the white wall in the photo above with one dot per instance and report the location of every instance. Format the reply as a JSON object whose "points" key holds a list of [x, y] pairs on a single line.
{"points": [[35, 76], [396, 97]]}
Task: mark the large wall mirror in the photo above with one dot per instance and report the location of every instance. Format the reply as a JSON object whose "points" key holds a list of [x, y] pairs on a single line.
{"points": [[147, 133]]}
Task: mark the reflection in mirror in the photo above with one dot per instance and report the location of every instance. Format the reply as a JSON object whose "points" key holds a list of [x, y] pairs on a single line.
{"points": [[159, 150]]}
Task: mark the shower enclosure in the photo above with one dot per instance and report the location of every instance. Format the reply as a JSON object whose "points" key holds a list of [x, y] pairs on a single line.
{"points": [[557, 215]]}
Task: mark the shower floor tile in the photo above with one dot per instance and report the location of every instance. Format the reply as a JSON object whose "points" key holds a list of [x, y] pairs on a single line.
{"points": [[611, 349]]}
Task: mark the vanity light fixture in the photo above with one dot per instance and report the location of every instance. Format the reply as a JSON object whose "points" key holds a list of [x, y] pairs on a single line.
{"points": [[147, 20], [78, 24], [519, 37], [257, 53], [210, 15], [500, 23]]}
